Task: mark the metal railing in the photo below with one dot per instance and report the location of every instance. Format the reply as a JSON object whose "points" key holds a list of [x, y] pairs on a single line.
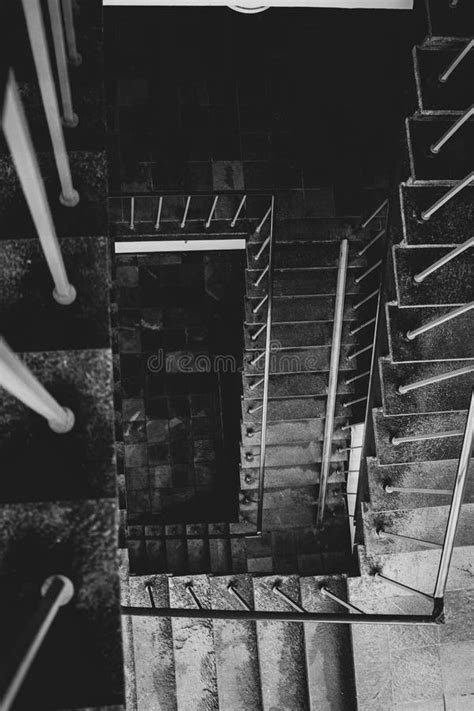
{"points": [[444, 76], [436, 147], [427, 214], [421, 276]]}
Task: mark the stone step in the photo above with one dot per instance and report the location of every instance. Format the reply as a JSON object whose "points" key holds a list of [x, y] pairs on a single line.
{"points": [[79, 464], [296, 360], [292, 475], [293, 385], [235, 642], [283, 508], [306, 281], [289, 309], [445, 342], [288, 455], [451, 284], [295, 408], [412, 425], [450, 225], [444, 396], [452, 95], [193, 645], [316, 229], [304, 254], [293, 431], [304, 334], [281, 649], [31, 318], [435, 475], [328, 647], [421, 524], [87, 218], [447, 21], [78, 540], [451, 162], [153, 646]]}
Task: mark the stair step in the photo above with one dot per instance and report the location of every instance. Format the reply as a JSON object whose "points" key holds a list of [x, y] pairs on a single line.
{"points": [[412, 425], [153, 646], [219, 549], [439, 474], [283, 508], [452, 95], [294, 408], [193, 644], [290, 309], [235, 642], [197, 548], [451, 284], [304, 254], [450, 225], [80, 464], [446, 21], [176, 549], [281, 649], [296, 360], [292, 475], [316, 229], [304, 334], [452, 162], [444, 396], [306, 281], [293, 431], [294, 385], [428, 523], [445, 342], [328, 647], [288, 454]]}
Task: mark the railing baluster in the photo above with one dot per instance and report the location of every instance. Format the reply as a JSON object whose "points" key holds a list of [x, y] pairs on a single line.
{"points": [[426, 214], [69, 117], [444, 76], [257, 308], [388, 534], [239, 209], [238, 597], [357, 377], [257, 283], [132, 213], [255, 408], [255, 335], [190, 590], [332, 385], [456, 503], [149, 590], [255, 360], [403, 389], [264, 219], [56, 592], [359, 352], [411, 490], [439, 321], [368, 271], [402, 586], [211, 213], [255, 385], [22, 384], [362, 326], [74, 56], [374, 215], [39, 47], [372, 242], [421, 276], [365, 300], [19, 142], [185, 215], [158, 214], [283, 596], [436, 147], [327, 593], [354, 402], [422, 437]]}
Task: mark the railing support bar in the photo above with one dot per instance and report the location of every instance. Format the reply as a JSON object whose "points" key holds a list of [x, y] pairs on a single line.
{"points": [[436, 147], [190, 590], [185, 214], [327, 593], [332, 385], [239, 209], [411, 539], [238, 597], [422, 437], [19, 142], [69, 117], [402, 586], [74, 56], [439, 321], [372, 242], [426, 214], [158, 214], [374, 215], [212, 211], [421, 276], [403, 389], [39, 47], [265, 218], [283, 596], [444, 76]]}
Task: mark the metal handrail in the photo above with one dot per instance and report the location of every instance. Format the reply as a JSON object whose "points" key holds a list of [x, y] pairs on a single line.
{"points": [[427, 214], [436, 147], [70, 119], [439, 320], [74, 56], [421, 276], [333, 377], [266, 375], [444, 76], [57, 591], [456, 503]]}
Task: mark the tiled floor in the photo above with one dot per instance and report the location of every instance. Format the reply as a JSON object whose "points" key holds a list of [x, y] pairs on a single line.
{"points": [[174, 413]]}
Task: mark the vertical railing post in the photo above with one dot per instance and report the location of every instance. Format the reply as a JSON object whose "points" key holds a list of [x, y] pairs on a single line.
{"points": [[74, 56], [57, 591], [456, 503], [266, 375], [39, 47], [19, 141], [22, 384], [333, 377], [69, 117]]}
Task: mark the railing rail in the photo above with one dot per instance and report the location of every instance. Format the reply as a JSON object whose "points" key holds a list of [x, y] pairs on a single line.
{"points": [[427, 214], [436, 147], [333, 377], [444, 76]]}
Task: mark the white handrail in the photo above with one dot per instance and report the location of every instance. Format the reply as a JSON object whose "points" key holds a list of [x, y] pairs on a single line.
{"points": [[22, 384], [74, 56], [70, 119], [19, 142], [39, 47]]}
